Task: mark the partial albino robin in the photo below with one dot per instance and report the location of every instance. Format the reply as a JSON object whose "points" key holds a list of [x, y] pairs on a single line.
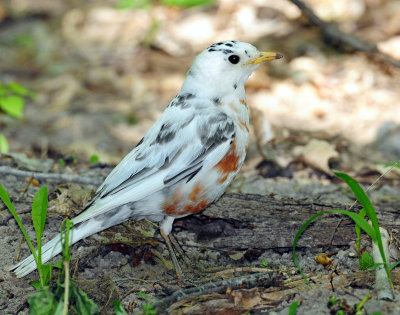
{"points": [[187, 158]]}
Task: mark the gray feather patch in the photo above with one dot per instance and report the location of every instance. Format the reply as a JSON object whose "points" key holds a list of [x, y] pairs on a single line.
{"points": [[166, 134], [218, 129], [181, 100]]}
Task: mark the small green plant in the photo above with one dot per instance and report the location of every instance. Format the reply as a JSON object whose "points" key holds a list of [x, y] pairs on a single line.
{"points": [[25, 40], [74, 159], [134, 4], [62, 162], [360, 305], [293, 308], [361, 224], [395, 164], [12, 102], [68, 160], [3, 144], [94, 159], [340, 306], [12, 98], [39, 212], [54, 299], [187, 3], [146, 4], [264, 262], [118, 309], [365, 259], [148, 308]]}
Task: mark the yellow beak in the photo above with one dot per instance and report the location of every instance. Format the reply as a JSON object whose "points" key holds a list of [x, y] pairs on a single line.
{"points": [[265, 56]]}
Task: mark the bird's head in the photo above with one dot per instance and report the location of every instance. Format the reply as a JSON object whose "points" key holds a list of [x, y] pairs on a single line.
{"points": [[225, 66]]}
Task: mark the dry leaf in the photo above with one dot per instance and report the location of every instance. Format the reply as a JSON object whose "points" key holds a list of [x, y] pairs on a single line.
{"points": [[317, 153], [389, 171], [246, 299], [237, 255], [391, 47], [323, 259]]}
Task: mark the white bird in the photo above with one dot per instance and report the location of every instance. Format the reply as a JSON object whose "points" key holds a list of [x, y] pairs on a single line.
{"points": [[187, 158]]}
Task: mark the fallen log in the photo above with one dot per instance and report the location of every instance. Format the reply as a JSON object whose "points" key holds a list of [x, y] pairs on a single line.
{"points": [[243, 221]]}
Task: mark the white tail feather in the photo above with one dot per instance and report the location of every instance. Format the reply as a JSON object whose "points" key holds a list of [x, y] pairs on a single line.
{"points": [[49, 250]]}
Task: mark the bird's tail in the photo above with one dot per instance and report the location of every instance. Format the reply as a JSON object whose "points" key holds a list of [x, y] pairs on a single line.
{"points": [[51, 249]]}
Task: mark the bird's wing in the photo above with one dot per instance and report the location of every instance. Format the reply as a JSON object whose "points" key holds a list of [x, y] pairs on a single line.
{"points": [[181, 143]]}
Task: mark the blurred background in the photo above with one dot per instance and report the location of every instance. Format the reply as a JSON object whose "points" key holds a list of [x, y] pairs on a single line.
{"points": [[81, 81], [103, 71]]}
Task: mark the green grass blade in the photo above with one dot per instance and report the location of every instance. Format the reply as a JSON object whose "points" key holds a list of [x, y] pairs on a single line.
{"points": [[361, 214], [13, 105], [296, 239], [394, 265], [187, 3], [365, 261], [361, 222], [362, 198], [118, 309], [354, 216], [4, 147], [84, 304], [357, 191], [39, 213], [366, 203], [374, 266], [65, 238], [293, 308], [19, 89], [9, 205]]}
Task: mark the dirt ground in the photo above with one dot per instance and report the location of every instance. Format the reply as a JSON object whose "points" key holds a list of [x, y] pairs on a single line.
{"points": [[103, 75]]}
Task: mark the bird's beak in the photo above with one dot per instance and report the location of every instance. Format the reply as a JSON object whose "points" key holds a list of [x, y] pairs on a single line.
{"points": [[264, 56]]}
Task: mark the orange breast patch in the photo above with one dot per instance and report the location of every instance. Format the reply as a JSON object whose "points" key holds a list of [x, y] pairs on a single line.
{"points": [[194, 208], [194, 194], [180, 204], [171, 207], [228, 164]]}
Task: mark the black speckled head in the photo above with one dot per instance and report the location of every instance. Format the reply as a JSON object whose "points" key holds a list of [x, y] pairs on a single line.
{"points": [[233, 51], [224, 66]]}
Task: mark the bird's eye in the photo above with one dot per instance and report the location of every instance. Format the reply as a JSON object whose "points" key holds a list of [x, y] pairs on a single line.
{"points": [[234, 59]]}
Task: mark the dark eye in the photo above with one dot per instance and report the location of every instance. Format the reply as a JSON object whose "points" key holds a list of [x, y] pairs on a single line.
{"points": [[234, 59]]}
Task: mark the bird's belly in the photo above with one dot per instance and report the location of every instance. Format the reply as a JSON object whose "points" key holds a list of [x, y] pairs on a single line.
{"points": [[206, 187]]}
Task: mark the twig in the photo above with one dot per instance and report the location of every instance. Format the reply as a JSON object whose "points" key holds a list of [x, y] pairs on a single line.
{"points": [[19, 249], [230, 272], [331, 32], [244, 282], [350, 292], [132, 279], [130, 292], [70, 178], [372, 186]]}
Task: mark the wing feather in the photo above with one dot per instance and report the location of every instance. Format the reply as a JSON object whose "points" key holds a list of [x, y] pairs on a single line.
{"points": [[176, 148]]}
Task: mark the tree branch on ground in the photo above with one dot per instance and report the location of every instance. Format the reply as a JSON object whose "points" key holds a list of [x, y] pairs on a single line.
{"points": [[335, 36]]}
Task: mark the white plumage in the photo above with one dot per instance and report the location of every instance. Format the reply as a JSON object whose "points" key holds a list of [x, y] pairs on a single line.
{"points": [[187, 158]]}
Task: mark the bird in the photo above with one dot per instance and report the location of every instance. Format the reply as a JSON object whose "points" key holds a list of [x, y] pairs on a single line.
{"points": [[185, 161]]}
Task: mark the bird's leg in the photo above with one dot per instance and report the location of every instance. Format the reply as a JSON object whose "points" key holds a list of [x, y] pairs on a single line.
{"points": [[178, 247], [178, 269]]}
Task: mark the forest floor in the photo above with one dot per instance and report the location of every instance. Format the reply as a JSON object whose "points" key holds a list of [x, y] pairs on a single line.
{"points": [[103, 76]]}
